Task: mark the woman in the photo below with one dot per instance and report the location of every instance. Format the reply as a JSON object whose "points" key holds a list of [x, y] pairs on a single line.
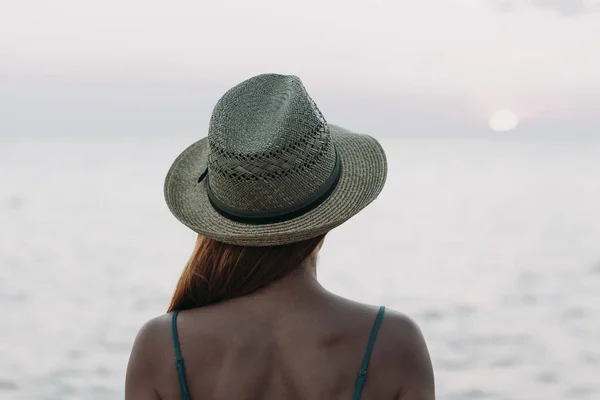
{"points": [[249, 319]]}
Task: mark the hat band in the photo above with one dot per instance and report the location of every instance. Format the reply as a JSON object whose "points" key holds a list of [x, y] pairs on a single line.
{"points": [[280, 214]]}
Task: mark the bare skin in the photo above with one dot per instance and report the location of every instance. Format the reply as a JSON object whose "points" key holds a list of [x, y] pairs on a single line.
{"points": [[291, 340]]}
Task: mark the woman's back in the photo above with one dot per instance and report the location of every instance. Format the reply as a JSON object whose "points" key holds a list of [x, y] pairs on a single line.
{"points": [[255, 348]]}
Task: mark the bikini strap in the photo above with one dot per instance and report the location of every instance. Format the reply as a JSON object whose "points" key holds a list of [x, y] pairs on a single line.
{"points": [[362, 375], [179, 358]]}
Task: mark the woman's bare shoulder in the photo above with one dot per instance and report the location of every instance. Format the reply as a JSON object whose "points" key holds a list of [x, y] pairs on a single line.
{"points": [[401, 329], [152, 339], [154, 332], [402, 350], [147, 358]]}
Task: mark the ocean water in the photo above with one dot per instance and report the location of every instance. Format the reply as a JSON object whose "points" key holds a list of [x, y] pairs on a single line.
{"points": [[492, 245]]}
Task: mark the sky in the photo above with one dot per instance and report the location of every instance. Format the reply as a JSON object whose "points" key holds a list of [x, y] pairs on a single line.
{"points": [[398, 67]]}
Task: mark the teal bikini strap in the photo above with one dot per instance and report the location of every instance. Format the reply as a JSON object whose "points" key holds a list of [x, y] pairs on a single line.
{"points": [[179, 358], [362, 375]]}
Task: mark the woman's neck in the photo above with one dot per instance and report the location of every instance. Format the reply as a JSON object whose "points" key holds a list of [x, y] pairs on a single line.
{"points": [[299, 287]]}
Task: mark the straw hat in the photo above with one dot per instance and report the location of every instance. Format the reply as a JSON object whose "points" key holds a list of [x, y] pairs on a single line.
{"points": [[271, 170]]}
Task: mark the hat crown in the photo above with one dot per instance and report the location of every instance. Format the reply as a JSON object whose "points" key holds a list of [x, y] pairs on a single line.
{"points": [[269, 146]]}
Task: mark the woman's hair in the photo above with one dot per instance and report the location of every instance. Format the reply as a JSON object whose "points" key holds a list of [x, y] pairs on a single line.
{"points": [[217, 271]]}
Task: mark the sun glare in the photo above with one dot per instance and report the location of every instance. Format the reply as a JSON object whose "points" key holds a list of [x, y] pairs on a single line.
{"points": [[503, 121]]}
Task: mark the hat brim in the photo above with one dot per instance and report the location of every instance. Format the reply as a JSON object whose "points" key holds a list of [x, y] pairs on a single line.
{"points": [[363, 175]]}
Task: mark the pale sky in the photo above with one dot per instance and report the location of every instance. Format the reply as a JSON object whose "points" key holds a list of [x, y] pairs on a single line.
{"points": [[539, 58]]}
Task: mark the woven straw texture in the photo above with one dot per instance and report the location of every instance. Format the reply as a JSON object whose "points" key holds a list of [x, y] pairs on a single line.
{"points": [[269, 148], [269, 145]]}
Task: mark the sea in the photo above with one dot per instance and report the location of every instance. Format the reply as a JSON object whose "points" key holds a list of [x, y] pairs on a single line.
{"points": [[491, 244]]}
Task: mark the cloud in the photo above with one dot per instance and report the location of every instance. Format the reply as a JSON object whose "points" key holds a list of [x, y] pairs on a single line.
{"points": [[568, 7], [563, 7], [504, 5]]}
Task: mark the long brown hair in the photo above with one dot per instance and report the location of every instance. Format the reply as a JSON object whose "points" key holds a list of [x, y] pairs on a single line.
{"points": [[217, 271]]}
